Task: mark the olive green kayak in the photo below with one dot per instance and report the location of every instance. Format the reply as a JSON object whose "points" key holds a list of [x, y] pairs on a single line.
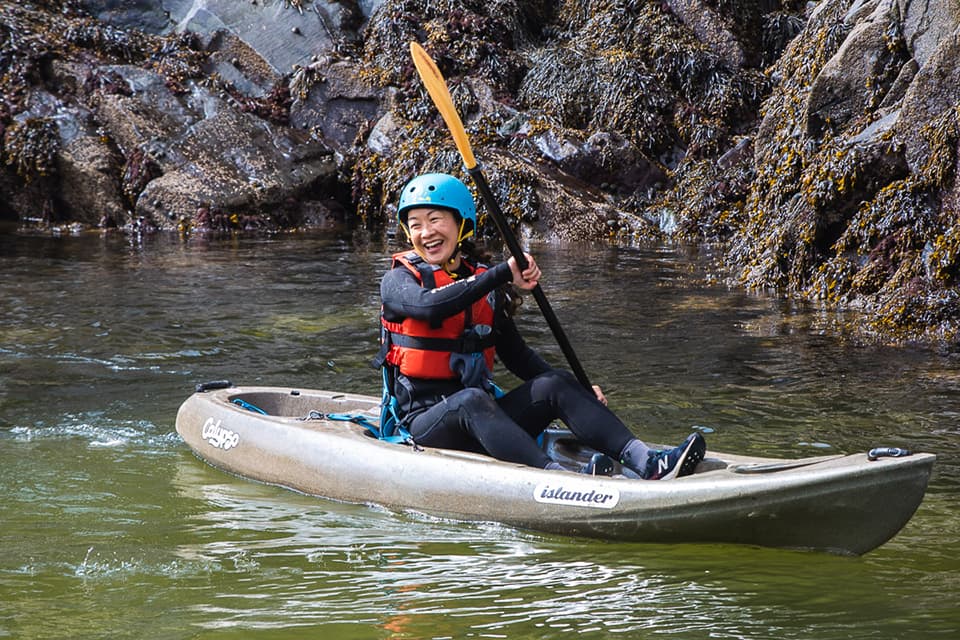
{"points": [[314, 442]]}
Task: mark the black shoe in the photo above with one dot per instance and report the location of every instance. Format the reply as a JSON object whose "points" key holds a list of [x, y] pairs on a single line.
{"points": [[677, 462], [599, 465]]}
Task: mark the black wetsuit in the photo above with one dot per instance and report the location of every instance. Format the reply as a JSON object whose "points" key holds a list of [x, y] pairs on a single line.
{"points": [[443, 413]]}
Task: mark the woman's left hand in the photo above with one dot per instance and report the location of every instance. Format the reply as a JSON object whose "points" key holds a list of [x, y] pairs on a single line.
{"points": [[602, 398]]}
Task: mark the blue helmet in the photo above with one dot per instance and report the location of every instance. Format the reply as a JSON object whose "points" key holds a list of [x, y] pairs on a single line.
{"points": [[442, 191]]}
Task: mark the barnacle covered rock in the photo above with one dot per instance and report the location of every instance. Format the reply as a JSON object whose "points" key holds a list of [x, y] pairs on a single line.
{"points": [[710, 28], [476, 37], [859, 75], [30, 147], [329, 97], [282, 33], [131, 128], [608, 95], [853, 199]]}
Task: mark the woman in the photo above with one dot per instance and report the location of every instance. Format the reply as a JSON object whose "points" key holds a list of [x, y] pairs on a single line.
{"points": [[444, 318]]}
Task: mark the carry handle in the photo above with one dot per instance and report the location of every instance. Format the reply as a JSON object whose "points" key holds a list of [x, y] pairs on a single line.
{"points": [[887, 452]]}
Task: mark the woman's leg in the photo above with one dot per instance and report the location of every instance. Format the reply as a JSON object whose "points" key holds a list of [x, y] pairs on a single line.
{"points": [[471, 420], [556, 395]]}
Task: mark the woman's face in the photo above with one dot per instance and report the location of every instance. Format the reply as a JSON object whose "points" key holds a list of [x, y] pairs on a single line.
{"points": [[434, 234]]}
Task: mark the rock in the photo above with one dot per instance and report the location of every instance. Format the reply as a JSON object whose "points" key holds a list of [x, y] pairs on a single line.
{"points": [[84, 179], [282, 34], [90, 192], [607, 158], [383, 135], [926, 24], [900, 85], [239, 64], [710, 28], [149, 115], [934, 90], [736, 155], [147, 15], [563, 152], [858, 75], [254, 43], [877, 130], [206, 151], [568, 209], [277, 112], [336, 103], [856, 163], [232, 162]]}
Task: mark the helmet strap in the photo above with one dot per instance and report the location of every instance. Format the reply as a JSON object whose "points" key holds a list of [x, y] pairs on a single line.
{"points": [[461, 236], [446, 265], [406, 232]]}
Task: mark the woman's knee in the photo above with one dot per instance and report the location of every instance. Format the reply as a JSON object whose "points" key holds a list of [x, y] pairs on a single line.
{"points": [[473, 399], [558, 381]]}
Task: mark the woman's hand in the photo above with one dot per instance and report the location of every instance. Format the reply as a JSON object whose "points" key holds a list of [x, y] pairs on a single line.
{"points": [[527, 279], [602, 398]]}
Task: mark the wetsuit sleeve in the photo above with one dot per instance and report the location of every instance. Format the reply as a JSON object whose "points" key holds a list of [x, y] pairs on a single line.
{"points": [[403, 297], [513, 351]]}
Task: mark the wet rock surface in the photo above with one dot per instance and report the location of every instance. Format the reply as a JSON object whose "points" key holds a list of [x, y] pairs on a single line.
{"points": [[814, 143]]}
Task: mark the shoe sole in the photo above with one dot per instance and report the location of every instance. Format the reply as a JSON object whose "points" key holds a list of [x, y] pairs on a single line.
{"points": [[692, 456]]}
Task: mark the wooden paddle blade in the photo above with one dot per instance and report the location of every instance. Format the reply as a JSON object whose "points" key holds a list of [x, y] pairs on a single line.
{"points": [[437, 88]]}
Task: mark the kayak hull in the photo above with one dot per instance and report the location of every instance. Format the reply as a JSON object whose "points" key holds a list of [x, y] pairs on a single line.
{"points": [[846, 504]]}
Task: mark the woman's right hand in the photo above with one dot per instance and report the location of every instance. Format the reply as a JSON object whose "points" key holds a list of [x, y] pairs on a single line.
{"points": [[527, 279]]}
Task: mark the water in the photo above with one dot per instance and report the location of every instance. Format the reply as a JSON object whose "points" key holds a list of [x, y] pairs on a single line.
{"points": [[110, 527]]}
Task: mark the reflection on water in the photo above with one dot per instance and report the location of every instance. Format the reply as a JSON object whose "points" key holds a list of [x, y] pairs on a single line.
{"points": [[111, 528]]}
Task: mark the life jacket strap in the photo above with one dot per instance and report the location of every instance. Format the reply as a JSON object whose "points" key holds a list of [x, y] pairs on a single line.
{"points": [[391, 426], [470, 343]]}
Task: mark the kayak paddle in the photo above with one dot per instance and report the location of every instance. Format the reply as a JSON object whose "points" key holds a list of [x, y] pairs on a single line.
{"points": [[437, 88]]}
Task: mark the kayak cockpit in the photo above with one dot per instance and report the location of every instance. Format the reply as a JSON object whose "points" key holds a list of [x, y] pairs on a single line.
{"points": [[301, 405]]}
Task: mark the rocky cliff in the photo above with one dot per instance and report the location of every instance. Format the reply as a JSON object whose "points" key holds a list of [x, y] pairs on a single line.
{"points": [[815, 144]]}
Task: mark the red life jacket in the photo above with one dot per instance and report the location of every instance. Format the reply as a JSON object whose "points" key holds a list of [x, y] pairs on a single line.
{"points": [[421, 350]]}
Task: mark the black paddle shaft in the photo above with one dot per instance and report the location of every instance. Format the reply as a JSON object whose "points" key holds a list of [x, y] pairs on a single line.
{"points": [[508, 236]]}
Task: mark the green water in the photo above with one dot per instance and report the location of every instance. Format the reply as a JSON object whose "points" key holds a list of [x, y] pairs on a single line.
{"points": [[111, 528]]}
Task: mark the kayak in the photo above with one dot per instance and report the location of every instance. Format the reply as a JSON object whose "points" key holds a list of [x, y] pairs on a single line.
{"points": [[320, 443]]}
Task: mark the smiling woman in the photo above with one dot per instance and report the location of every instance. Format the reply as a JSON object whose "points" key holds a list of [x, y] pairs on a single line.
{"points": [[434, 234], [445, 316], [437, 213]]}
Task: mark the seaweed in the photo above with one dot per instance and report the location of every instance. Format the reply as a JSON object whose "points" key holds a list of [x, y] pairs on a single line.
{"points": [[30, 37], [31, 146]]}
